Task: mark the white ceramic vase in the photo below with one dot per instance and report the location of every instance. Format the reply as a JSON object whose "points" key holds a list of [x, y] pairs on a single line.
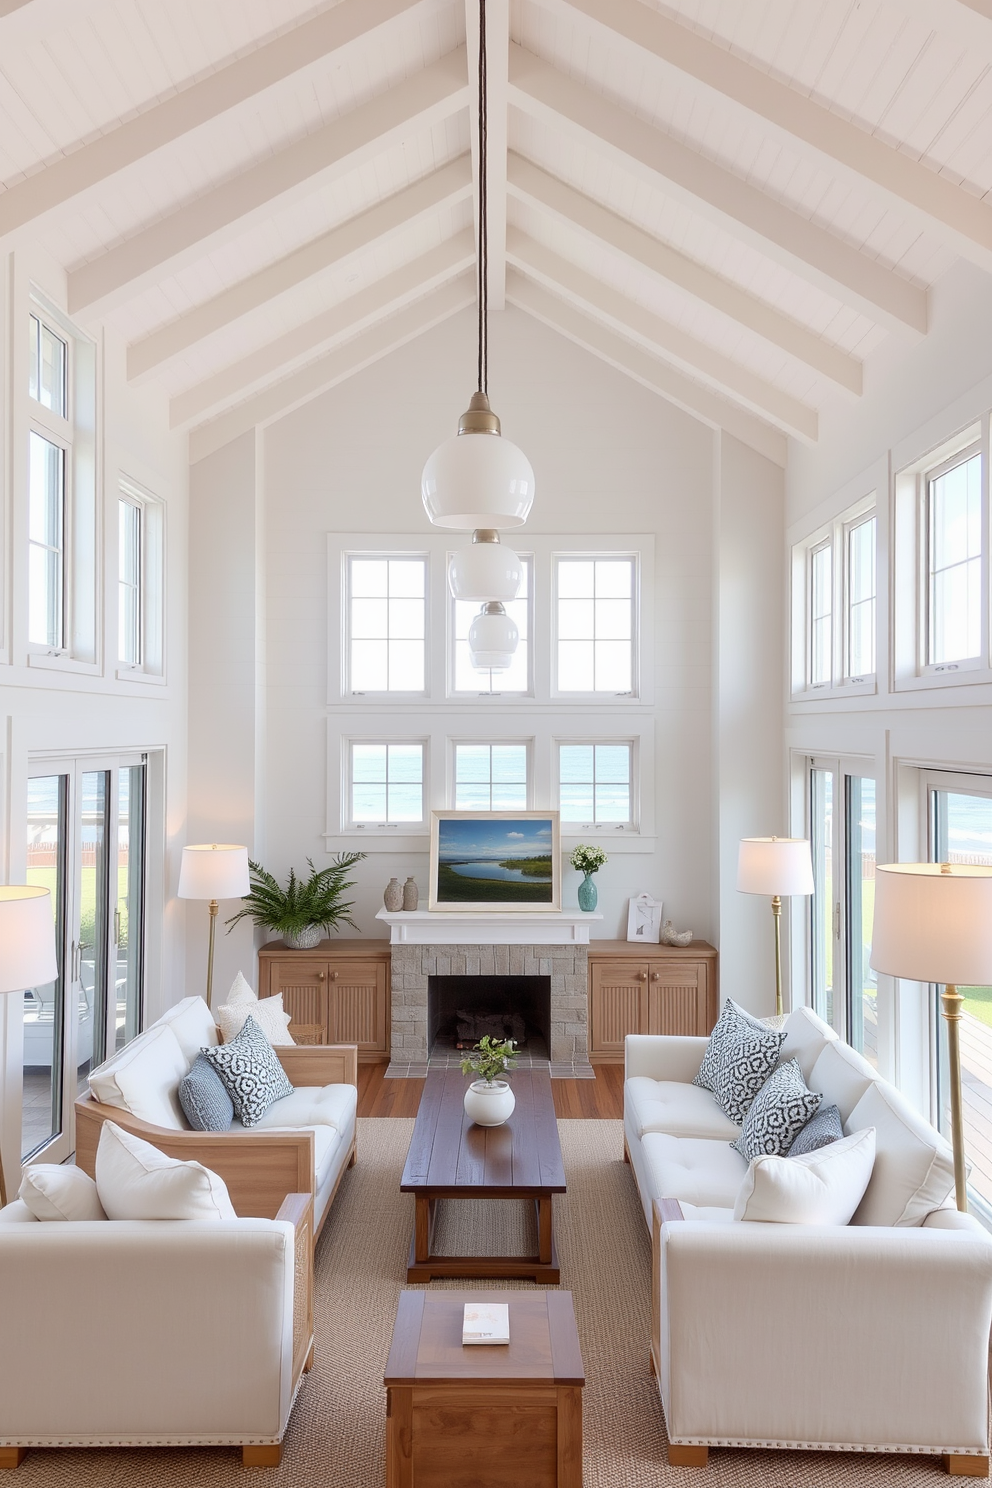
{"points": [[489, 1105], [305, 939]]}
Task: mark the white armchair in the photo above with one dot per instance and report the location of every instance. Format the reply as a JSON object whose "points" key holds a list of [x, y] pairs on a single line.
{"points": [[154, 1333]]}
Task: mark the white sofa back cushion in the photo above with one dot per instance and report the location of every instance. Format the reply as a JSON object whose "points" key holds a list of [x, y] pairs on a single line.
{"points": [[137, 1181], [914, 1166], [818, 1188], [805, 1037], [193, 1024], [60, 1191], [144, 1078], [841, 1076]]}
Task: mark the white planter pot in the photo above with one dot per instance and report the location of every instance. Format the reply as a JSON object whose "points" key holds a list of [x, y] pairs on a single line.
{"points": [[489, 1105]]}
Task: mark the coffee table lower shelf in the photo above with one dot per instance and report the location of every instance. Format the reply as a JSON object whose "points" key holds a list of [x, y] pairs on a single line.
{"points": [[424, 1266]]}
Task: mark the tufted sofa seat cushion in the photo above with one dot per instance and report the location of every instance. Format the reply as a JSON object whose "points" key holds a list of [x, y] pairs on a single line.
{"points": [[703, 1173], [677, 1110], [312, 1105]]}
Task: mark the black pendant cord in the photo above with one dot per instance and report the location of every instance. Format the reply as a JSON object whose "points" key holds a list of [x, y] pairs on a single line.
{"points": [[483, 254]]}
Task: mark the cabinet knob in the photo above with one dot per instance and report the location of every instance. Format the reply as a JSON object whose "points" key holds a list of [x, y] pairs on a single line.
{"points": [[320, 976], [642, 976], [334, 976], [656, 976]]}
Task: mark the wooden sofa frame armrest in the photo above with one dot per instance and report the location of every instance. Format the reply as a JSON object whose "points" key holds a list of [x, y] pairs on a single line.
{"points": [[259, 1167], [319, 1064], [297, 1209], [663, 1211]]}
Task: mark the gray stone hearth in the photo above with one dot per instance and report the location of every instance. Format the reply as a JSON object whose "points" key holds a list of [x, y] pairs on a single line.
{"points": [[566, 965]]}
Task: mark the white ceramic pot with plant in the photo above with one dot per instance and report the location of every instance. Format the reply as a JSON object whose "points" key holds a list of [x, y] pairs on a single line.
{"points": [[489, 1101], [307, 908]]}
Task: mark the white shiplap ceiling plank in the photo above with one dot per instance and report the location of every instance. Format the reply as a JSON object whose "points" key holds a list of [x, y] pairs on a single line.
{"points": [[806, 248], [434, 92]]}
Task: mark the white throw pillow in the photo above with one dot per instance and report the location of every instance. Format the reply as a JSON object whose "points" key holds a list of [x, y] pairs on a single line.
{"points": [[136, 1181], [914, 1164], [819, 1188], [144, 1078], [52, 1191], [268, 1013]]}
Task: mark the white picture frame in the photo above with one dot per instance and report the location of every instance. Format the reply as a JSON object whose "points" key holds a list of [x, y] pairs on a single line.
{"points": [[644, 920]]}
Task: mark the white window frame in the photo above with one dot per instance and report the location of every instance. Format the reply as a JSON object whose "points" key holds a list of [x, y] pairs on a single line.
{"points": [[836, 533], [81, 647], [601, 829], [454, 740], [634, 692], [910, 570], [391, 696], [151, 667], [393, 830]]}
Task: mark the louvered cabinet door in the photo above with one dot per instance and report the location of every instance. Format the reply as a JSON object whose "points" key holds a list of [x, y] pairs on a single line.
{"points": [[303, 985], [617, 1005], [678, 997], [357, 1006]]}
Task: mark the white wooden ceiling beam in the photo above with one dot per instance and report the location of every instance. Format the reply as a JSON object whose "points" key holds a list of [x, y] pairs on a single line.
{"points": [[959, 218], [333, 368], [529, 183], [341, 322], [660, 337], [707, 188], [442, 188], [659, 376], [497, 88], [194, 105], [433, 94], [968, 22]]}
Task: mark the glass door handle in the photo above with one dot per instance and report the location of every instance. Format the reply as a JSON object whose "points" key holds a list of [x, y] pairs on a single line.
{"points": [[117, 927]]}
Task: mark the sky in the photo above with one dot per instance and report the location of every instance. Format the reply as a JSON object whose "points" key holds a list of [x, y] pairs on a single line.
{"points": [[493, 839]]}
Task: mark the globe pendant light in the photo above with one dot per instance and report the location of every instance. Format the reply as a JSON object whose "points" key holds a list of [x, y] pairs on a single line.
{"points": [[492, 638], [486, 570], [478, 478]]}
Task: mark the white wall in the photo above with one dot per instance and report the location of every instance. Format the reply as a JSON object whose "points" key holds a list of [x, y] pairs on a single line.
{"points": [[608, 456], [917, 395], [61, 713]]}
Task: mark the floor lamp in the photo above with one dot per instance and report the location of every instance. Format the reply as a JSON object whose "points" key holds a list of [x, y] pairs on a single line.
{"points": [[933, 923], [781, 867], [213, 871], [27, 949]]}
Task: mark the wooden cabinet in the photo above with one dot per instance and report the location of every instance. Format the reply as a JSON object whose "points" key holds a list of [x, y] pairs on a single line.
{"points": [[338, 993], [642, 989]]}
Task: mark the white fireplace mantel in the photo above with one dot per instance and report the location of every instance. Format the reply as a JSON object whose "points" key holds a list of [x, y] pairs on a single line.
{"points": [[492, 927]]}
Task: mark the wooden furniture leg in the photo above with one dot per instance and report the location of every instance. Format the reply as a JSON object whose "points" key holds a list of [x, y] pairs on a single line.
{"points": [[422, 1228], [688, 1456], [960, 1466], [12, 1456], [544, 1234], [269, 1455], [308, 1361]]}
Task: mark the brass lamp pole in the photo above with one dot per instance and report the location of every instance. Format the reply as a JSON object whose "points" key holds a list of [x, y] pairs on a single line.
{"points": [[777, 866]]}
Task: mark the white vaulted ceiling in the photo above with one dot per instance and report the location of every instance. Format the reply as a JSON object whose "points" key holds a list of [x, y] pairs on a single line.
{"points": [[732, 201]]}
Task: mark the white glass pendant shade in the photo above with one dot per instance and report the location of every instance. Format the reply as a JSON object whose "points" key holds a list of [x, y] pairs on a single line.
{"points": [[484, 571], [478, 480], [492, 639]]}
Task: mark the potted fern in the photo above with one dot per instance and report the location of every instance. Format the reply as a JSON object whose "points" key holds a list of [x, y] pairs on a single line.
{"points": [[306, 908]]}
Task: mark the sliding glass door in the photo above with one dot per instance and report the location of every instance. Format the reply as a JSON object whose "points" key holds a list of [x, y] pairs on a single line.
{"points": [[960, 812], [842, 836], [85, 829]]}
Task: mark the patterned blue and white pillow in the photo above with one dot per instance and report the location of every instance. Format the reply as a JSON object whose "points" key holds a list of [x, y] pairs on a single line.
{"points": [[251, 1072], [739, 1057], [777, 1114]]}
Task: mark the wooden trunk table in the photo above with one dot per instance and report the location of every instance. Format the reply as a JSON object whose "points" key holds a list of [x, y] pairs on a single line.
{"points": [[495, 1416], [452, 1158]]}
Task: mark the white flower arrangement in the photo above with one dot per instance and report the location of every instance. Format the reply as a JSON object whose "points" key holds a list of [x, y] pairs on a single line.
{"points": [[588, 859]]}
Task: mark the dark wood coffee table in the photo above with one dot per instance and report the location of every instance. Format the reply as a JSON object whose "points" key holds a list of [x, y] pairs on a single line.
{"points": [[452, 1158], [493, 1416]]}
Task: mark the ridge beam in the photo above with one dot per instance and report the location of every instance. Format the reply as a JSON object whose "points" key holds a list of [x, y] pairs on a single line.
{"points": [[229, 209]]}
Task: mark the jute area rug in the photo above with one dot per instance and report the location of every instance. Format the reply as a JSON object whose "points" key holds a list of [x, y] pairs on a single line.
{"points": [[336, 1434]]}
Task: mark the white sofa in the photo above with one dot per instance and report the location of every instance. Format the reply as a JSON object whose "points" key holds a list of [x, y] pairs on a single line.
{"points": [[153, 1333], [872, 1336], [302, 1144]]}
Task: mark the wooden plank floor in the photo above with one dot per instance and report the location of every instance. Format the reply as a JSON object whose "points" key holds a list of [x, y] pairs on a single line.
{"points": [[600, 1098]]}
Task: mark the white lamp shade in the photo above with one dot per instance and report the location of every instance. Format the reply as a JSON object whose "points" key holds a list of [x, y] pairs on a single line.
{"points": [[477, 480], [214, 870], [775, 865], [27, 938], [492, 640], [484, 571], [932, 925]]}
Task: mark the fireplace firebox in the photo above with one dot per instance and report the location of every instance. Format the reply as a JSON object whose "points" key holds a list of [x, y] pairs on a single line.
{"points": [[462, 1009]]}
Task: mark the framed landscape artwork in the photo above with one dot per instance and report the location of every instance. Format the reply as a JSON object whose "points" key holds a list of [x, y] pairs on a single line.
{"points": [[493, 860]]}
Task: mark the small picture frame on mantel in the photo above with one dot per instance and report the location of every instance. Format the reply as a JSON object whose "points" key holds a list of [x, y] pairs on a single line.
{"points": [[644, 919]]}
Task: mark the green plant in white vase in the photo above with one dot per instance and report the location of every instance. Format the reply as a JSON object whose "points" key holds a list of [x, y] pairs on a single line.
{"points": [[587, 861], [489, 1101], [305, 907]]}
